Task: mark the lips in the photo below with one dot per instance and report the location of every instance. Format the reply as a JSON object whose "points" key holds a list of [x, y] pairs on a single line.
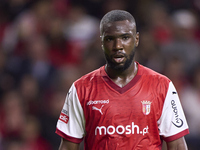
{"points": [[118, 58]]}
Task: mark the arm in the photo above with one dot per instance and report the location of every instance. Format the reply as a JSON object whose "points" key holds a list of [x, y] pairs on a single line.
{"points": [[178, 144], [172, 123], [71, 123], [67, 145]]}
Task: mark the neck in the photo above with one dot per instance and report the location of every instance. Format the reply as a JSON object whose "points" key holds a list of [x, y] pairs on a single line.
{"points": [[121, 78]]}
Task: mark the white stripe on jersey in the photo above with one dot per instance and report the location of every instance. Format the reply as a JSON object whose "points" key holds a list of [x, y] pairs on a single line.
{"points": [[75, 127], [172, 120]]}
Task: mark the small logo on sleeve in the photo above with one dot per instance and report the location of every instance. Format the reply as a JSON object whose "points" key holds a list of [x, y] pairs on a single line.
{"points": [[174, 92], [178, 121], [64, 111], [64, 118]]}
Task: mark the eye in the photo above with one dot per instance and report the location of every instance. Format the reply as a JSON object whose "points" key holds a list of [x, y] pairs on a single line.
{"points": [[125, 38], [108, 39]]}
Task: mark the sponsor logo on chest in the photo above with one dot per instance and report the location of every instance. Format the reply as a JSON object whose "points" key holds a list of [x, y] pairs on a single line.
{"points": [[96, 102], [120, 129]]}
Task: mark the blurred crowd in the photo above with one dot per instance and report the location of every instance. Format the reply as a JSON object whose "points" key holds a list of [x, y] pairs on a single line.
{"points": [[45, 45]]}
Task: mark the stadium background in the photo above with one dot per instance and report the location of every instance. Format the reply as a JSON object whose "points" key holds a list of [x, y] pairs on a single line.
{"points": [[47, 44]]}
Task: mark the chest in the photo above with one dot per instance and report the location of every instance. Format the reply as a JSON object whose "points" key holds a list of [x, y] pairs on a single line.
{"points": [[109, 107]]}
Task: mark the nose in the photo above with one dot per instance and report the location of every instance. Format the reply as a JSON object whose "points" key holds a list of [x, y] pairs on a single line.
{"points": [[117, 44]]}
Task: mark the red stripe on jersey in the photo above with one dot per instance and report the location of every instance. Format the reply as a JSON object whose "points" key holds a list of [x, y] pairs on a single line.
{"points": [[121, 90], [176, 136], [68, 138]]}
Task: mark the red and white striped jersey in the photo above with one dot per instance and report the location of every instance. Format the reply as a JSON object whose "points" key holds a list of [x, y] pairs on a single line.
{"points": [[135, 117]]}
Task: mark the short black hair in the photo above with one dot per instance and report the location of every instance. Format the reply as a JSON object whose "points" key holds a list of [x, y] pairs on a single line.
{"points": [[116, 15]]}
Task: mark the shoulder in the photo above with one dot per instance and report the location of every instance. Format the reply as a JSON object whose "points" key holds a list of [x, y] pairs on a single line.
{"points": [[88, 84], [153, 79], [147, 72], [89, 78]]}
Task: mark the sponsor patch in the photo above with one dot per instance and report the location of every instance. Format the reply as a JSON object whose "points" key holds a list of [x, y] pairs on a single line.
{"points": [[178, 121], [64, 111], [64, 118]]}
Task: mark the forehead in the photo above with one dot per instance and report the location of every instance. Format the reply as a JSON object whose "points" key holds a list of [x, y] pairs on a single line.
{"points": [[118, 27]]}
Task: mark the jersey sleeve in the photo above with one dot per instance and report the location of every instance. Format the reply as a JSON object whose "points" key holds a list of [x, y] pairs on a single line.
{"points": [[172, 123], [71, 123]]}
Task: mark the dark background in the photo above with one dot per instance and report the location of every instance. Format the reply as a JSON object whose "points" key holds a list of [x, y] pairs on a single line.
{"points": [[47, 44]]}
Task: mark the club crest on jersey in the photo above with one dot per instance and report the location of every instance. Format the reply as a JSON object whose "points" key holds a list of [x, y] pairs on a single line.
{"points": [[146, 107]]}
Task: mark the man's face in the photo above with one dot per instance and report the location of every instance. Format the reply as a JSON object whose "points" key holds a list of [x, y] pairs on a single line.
{"points": [[119, 40]]}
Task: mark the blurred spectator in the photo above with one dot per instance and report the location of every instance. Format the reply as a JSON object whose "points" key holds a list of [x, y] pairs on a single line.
{"points": [[109, 5], [30, 91], [7, 80], [12, 116], [66, 76], [160, 23], [15, 7], [45, 45], [27, 24], [141, 12], [58, 45], [49, 115], [61, 7], [183, 45], [148, 54], [34, 62], [78, 21], [93, 7], [31, 137], [174, 5], [4, 21], [13, 144], [37, 63], [93, 58], [190, 97], [80, 29], [174, 69]]}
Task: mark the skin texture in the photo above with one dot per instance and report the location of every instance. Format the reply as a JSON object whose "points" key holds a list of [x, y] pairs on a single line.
{"points": [[119, 40], [178, 144], [67, 145]]}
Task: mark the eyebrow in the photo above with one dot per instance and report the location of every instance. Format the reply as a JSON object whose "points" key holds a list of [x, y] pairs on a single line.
{"points": [[121, 35]]}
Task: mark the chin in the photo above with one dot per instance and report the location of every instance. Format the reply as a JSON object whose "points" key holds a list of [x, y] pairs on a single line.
{"points": [[119, 67]]}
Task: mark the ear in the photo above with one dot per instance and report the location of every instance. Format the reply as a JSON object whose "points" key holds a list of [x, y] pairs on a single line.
{"points": [[102, 46], [101, 42], [137, 39]]}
